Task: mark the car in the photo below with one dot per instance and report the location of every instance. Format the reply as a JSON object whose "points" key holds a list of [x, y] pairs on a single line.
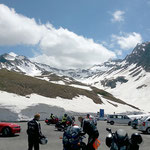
{"points": [[144, 125], [120, 119], [101, 118], [8, 129]]}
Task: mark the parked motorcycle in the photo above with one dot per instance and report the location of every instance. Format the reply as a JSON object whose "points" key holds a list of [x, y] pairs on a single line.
{"points": [[61, 126], [134, 123], [73, 139], [51, 121], [121, 141]]}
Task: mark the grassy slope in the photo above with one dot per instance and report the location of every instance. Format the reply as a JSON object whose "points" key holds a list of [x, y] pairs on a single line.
{"points": [[13, 82]]}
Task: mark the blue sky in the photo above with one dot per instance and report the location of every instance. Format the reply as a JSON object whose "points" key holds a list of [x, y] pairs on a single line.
{"points": [[73, 33]]}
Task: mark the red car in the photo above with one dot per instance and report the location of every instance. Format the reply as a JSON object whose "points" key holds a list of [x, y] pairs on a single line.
{"points": [[7, 129]]}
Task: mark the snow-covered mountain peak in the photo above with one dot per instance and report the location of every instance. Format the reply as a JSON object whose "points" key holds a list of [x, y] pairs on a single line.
{"points": [[140, 56], [13, 54]]}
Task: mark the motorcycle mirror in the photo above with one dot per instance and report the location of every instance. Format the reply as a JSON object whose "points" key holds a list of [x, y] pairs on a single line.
{"points": [[108, 129]]}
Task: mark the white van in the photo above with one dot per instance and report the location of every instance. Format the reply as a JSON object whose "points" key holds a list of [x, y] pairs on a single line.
{"points": [[120, 119]]}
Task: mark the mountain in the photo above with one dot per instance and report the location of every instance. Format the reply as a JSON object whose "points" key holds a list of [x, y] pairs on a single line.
{"points": [[115, 85], [19, 64], [140, 56], [128, 79], [24, 96]]}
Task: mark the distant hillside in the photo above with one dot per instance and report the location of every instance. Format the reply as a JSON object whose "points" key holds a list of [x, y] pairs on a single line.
{"points": [[13, 82]]}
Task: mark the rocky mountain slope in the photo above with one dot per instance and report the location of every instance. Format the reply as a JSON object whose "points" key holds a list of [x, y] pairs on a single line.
{"points": [[21, 93], [129, 79]]}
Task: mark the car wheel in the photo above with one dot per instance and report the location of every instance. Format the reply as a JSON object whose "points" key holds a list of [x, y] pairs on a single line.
{"points": [[129, 124], [6, 131], [111, 122], [148, 130]]}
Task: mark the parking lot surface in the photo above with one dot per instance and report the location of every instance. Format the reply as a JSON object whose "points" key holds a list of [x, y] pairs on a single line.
{"points": [[19, 141]]}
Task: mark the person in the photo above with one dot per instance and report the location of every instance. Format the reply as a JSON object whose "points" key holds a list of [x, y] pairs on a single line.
{"points": [[52, 116], [88, 116], [90, 129], [34, 133], [64, 120]]}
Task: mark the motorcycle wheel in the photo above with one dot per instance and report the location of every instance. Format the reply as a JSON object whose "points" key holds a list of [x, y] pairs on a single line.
{"points": [[59, 129], [83, 146], [48, 123]]}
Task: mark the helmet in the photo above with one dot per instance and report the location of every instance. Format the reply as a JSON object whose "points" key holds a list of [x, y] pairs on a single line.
{"points": [[88, 115], [121, 137], [65, 115], [108, 140], [136, 138], [43, 140], [73, 118]]}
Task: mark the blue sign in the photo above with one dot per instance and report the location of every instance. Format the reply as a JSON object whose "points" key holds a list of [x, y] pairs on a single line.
{"points": [[101, 114]]}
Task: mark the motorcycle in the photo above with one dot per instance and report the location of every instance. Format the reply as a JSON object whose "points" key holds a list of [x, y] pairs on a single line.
{"points": [[51, 121], [134, 123], [79, 145], [62, 126], [73, 139], [121, 141]]}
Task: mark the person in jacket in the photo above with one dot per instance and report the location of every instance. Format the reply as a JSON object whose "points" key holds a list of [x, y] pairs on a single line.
{"points": [[34, 133], [52, 116], [64, 119], [88, 116], [89, 128]]}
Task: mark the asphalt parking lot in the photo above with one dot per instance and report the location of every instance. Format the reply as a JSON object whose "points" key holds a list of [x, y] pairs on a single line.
{"points": [[19, 142]]}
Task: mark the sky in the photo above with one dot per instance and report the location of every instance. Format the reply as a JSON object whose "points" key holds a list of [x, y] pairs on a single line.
{"points": [[73, 33]]}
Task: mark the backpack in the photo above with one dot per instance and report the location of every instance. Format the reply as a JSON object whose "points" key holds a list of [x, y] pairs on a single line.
{"points": [[71, 136]]}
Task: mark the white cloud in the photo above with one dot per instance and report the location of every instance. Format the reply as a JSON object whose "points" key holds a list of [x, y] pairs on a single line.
{"points": [[65, 49], [118, 16], [18, 29], [128, 40], [59, 47]]}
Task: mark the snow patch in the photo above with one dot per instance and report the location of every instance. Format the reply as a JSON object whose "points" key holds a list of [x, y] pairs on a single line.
{"points": [[81, 87], [80, 104]]}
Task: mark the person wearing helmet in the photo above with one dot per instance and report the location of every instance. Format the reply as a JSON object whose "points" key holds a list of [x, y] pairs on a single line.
{"points": [[64, 119], [34, 133], [52, 116], [90, 129], [88, 116]]}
